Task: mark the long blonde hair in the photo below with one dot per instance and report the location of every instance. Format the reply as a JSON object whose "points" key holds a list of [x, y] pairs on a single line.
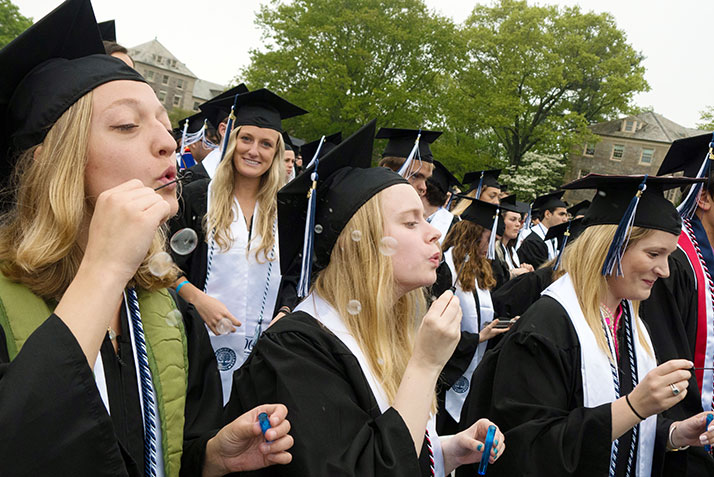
{"points": [[383, 328], [465, 237], [222, 210], [463, 204], [583, 260], [38, 236]]}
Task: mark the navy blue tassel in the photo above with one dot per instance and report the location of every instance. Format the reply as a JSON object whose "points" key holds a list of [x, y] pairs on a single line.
{"points": [[563, 243], [689, 205], [229, 128], [613, 260], [478, 188]]}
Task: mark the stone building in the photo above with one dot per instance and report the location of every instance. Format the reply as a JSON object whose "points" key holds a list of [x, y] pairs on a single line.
{"points": [[174, 84], [629, 145]]}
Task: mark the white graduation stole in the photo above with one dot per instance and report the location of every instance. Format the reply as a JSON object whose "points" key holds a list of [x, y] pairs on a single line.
{"points": [[323, 312], [598, 385]]}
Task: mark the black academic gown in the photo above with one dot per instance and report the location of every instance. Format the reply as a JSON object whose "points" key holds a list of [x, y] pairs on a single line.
{"points": [[533, 250], [335, 420], [671, 314], [500, 271], [531, 386], [54, 422], [514, 297], [198, 171], [193, 206]]}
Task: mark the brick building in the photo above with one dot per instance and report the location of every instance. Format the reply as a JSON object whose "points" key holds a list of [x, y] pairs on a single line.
{"points": [[174, 84], [629, 145]]}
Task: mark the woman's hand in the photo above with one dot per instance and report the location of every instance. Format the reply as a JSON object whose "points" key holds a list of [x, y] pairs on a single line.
{"points": [[692, 432], [240, 445], [123, 225], [656, 392], [439, 332], [466, 447], [490, 330], [212, 310]]}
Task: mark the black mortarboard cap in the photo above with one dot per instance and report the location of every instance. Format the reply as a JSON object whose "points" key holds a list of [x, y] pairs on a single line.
{"points": [[287, 141], [195, 122], [216, 109], [308, 150], [297, 142], [686, 155], [48, 68], [507, 204], [401, 142], [564, 233], [490, 178], [630, 201], [522, 207], [345, 183], [442, 179], [261, 108], [579, 209], [550, 200], [108, 30], [481, 213]]}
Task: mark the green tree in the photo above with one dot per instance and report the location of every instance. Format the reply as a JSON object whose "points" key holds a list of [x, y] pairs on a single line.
{"points": [[12, 23], [348, 61], [706, 119], [536, 76], [177, 114]]}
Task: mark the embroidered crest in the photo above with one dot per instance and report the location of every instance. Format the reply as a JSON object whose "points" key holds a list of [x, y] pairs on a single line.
{"points": [[226, 358], [461, 385]]}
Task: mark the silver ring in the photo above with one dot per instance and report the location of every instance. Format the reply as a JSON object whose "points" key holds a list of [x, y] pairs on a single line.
{"points": [[675, 390]]}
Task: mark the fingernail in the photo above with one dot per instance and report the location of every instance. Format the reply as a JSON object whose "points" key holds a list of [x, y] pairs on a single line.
{"points": [[496, 452], [704, 439], [495, 443], [480, 447]]}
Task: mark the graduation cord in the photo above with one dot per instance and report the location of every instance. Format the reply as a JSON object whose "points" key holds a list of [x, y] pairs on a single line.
{"points": [[710, 283], [147, 390], [430, 450], [616, 382]]}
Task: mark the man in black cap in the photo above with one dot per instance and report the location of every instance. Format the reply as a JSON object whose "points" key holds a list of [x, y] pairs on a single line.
{"points": [[400, 146], [197, 137], [437, 191], [534, 249], [680, 310]]}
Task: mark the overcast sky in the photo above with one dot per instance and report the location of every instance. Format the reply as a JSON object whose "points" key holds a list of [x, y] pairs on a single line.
{"points": [[674, 36]]}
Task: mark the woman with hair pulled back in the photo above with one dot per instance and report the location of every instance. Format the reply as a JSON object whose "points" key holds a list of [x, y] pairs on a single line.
{"points": [[233, 276], [102, 370], [360, 356], [576, 383]]}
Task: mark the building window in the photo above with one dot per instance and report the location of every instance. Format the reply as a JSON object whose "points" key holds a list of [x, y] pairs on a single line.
{"points": [[589, 149], [647, 156], [160, 59], [150, 75], [195, 105], [617, 151], [583, 173], [629, 125], [173, 63], [177, 100], [162, 96], [165, 79], [179, 83]]}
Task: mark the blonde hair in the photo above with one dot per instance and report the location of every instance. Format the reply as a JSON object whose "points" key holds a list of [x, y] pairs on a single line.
{"points": [[463, 204], [222, 211], [38, 237], [583, 261], [384, 329], [465, 237]]}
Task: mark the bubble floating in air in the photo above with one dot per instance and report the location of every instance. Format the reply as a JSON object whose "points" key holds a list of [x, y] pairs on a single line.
{"points": [[184, 241], [356, 235], [318, 229], [224, 326], [354, 307], [160, 264], [388, 246]]}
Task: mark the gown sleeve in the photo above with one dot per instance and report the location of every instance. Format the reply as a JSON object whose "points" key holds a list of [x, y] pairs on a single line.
{"points": [[514, 297], [533, 251], [52, 418], [335, 421]]}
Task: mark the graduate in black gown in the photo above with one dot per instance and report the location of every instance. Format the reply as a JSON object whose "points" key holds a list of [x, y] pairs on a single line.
{"points": [[679, 311], [100, 373], [576, 384], [356, 370], [534, 249]]}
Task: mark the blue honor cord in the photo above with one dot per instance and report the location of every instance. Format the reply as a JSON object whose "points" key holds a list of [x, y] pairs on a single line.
{"points": [[487, 450], [264, 423]]}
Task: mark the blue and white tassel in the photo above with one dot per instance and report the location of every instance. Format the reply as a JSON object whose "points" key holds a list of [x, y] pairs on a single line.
{"points": [[480, 186], [688, 206], [308, 245], [491, 255], [613, 260], [229, 128]]}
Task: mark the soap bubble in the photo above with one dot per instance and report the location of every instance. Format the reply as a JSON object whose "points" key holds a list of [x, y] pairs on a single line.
{"points": [[184, 241], [354, 307], [388, 246], [173, 317], [380, 361], [318, 229], [224, 326], [160, 264], [356, 235]]}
